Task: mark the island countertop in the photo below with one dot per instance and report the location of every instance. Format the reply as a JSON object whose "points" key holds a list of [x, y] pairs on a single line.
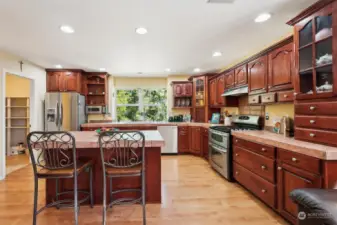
{"points": [[89, 139], [146, 124], [306, 148]]}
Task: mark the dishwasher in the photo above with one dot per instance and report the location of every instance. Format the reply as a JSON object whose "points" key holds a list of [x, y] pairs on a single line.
{"points": [[170, 136]]}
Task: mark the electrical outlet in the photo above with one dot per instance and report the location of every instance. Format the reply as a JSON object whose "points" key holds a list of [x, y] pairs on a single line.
{"points": [[267, 116]]}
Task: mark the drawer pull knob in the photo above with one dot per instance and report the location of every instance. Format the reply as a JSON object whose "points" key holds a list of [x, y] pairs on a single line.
{"points": [[237, 173], [279, 168], [312, 135], [236, 154], [294, 159], [263, 149], [263, 167], [263, 191], [295, 93], [285, 96], [312, 121], [268, 98], [312, 108], [236, 141]]}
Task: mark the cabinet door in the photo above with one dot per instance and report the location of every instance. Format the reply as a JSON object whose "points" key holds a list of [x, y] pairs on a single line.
{"points": [[212, 92], [230, 80], [241, 75], [188, 89], [178, 90], [70, 81], [258, 75], [290, 178], [53, 81], [205, 143], [220, 88], [200, 115], [183, 140], [195, 140], [281, 68]]}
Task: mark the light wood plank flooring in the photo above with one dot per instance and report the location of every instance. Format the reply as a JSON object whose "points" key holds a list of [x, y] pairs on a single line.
{"points": [[16, 162], [192, 194]]}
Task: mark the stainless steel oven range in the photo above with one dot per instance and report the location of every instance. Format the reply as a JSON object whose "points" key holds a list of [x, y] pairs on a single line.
{"points": [[220, 145]]}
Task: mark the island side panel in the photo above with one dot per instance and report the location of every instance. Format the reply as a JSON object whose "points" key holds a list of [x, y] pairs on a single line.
{"points": [[153, 178]]}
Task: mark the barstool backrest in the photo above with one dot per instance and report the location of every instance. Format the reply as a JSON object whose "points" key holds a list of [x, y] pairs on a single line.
{"points": [[52, 150], [122, 149]]}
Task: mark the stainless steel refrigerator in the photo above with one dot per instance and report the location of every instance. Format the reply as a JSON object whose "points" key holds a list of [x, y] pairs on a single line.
{"points": [[64, 111]]}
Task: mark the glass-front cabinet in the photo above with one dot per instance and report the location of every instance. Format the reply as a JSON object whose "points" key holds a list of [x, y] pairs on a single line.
{"points": [[199, 85], [314, 41]]}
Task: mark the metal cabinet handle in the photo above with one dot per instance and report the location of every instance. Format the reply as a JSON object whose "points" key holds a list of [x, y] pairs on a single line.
{"points": [[294, 159], [295, 93], [263, 191], [312, 121], [312, 135], [312, 108], [285, 96], [236, 154], [237, 173], [279, 168], [263, 167], [236, 141], [263, 149]]}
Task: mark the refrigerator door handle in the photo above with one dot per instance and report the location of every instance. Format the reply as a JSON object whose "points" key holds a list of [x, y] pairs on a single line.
{"points": [[61, 117], [57, 114]]}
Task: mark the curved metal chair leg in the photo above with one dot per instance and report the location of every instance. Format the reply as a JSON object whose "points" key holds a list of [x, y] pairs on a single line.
{"points": [[57, 191], [36, 188], [76, 209], [91, 189], [104, 200], [144, 198]]}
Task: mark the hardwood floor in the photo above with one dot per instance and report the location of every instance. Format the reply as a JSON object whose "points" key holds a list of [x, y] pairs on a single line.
{"points": [[16, 162], [192, 194]]}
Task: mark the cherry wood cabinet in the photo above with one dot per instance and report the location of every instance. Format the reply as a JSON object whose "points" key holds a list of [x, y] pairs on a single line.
{"points": [[258, 75], [182, 89], [183, 139], [200, 99], [220, 88], [241, 75], [64, 81], [230, 80], [195, 140], [281, 68], [213, 92], [204, 141]]}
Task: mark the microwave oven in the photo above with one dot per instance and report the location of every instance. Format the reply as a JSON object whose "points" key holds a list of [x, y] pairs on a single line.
{"points": [[95, 109]]}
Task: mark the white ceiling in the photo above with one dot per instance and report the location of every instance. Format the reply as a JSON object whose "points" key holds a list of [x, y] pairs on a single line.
{"points": [[182, 34]]}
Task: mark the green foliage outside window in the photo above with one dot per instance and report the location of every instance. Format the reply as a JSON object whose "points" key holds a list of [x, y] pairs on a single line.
{"points": [[139, 105]]}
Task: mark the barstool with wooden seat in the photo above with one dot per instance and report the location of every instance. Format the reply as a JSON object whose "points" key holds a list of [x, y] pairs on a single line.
{"points": [[123, 155], [53, 156]]}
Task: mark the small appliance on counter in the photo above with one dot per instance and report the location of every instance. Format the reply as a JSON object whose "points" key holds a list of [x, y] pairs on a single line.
{"points": [[179, 118], [220, 146], [215, 118]]}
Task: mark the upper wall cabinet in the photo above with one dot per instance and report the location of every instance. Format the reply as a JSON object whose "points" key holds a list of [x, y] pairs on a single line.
{"points": [[182, 89], [230, 80], [64, 81], [281, 68], [257, 75], [220, 88], [315, 51], [241, 75]]}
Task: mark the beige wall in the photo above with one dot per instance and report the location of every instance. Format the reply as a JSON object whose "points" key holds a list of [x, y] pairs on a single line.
{"points": [[17, 86], [279, 110]]}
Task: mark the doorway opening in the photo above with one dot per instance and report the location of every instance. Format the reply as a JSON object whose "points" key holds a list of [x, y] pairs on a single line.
{"points": [[18, 97]]}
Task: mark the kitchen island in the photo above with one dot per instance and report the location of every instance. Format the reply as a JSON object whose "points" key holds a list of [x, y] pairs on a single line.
{"points": [[87, 147]]}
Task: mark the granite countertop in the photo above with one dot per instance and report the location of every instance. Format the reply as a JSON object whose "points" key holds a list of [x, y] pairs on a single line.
{"points": [[150, 124], [89, 139], [306, 148]]}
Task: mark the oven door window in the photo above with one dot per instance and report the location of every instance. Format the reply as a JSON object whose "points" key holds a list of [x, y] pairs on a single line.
{"points": [[218, 156], [218, 138]]}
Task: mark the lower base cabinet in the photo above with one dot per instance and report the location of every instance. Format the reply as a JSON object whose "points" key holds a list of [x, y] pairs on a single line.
{"points": [[183, 140], [204, 143], [254, 169]]}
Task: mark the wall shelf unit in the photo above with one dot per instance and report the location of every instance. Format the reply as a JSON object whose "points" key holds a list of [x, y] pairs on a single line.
{"points": [[17, 122]]}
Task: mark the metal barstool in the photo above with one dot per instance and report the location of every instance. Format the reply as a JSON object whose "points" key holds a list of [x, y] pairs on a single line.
{"points": [[53, 156], [123, 155]]}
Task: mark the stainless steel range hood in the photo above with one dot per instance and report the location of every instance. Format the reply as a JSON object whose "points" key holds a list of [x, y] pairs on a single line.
{"points": [[236, 92]]}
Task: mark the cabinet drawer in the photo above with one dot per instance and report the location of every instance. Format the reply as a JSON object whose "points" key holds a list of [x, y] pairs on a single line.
{"points": [[204, 131], [320, 122], [318, 136], [300, 161], [254, 99], [257, 185], [265, 150], [268, 98], [182, 128], [286, 96], [258, 164], [316, 108]]}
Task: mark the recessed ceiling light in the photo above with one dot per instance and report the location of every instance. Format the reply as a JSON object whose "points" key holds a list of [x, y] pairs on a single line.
{"points": [[262, 17], [168, 70], [217, 54], [58, 66], [67, 29], [141, 30], [197, 70], [102, 69]]}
